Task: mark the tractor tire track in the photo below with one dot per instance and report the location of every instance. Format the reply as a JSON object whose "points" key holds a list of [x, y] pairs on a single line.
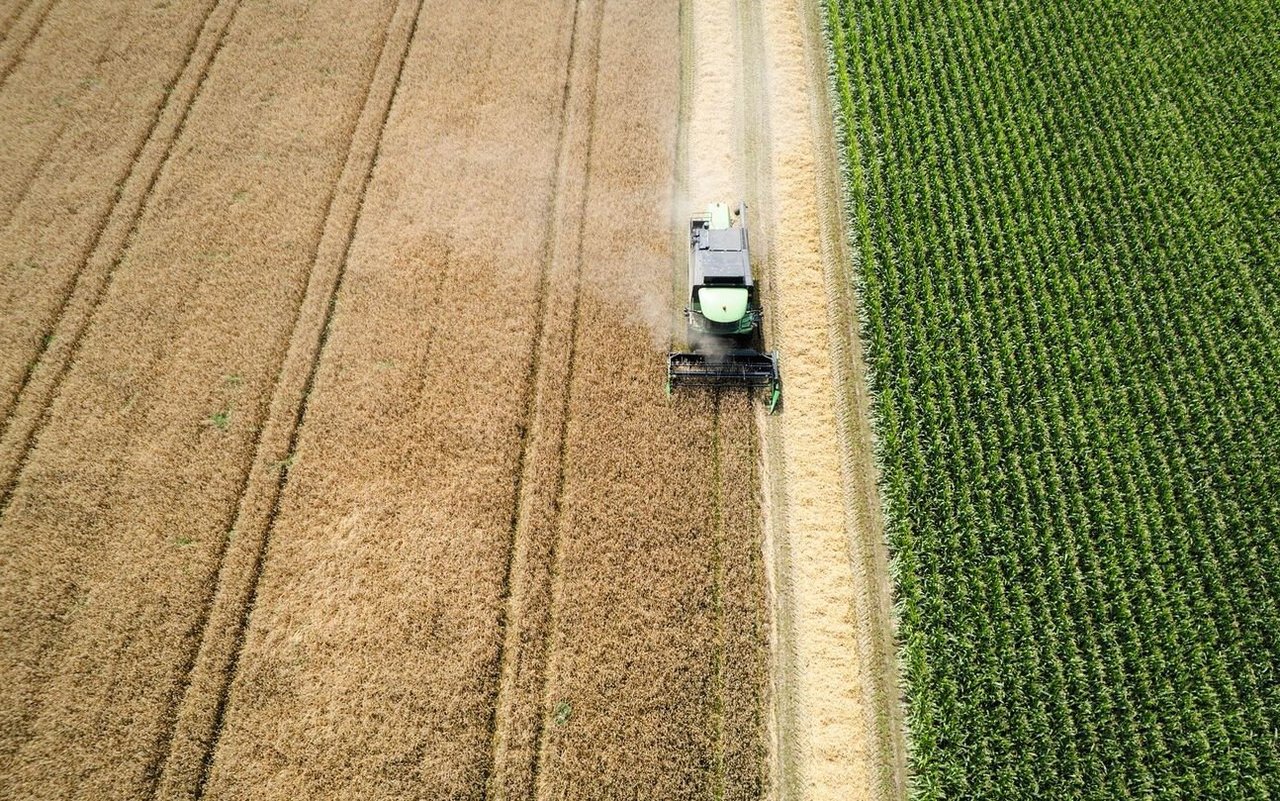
{"points": [[38, 168], [35, 168], [470, 120], [15, 11], [96, 563], [27, 23], [28, 182], [111, 238], [516, 726], [29, 419], [634, 701], [539, 736], [185, 753]]}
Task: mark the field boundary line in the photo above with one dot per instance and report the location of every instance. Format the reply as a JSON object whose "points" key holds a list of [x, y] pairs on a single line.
{"points": [[864, 512], [526, 623], [185, 752], [11, 56], [111, 239]]}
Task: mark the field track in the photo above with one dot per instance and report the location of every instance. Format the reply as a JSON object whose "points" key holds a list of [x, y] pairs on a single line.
{"points": [[114, 551], [335, 458], [836, 723], [19, 24]]}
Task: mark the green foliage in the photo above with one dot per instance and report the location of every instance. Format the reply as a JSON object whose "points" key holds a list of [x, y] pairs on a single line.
{"points": [[562, 713], [1067, 217], [221, 420]]}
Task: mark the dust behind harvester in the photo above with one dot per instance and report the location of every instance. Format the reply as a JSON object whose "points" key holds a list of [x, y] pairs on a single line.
{"points": [[723, 315]]}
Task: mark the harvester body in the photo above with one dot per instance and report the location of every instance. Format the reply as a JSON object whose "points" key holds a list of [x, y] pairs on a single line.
{"points": [[723, 316]]}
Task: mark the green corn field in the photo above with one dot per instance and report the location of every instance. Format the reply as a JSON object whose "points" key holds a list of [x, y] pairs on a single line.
{"points": [[1067, 216]]}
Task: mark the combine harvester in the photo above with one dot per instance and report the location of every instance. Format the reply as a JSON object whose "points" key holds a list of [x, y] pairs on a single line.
{"points": [[724, 314]]}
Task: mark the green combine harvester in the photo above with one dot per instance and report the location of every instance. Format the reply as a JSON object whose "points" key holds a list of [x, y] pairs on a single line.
{"points": [[724, 314]]}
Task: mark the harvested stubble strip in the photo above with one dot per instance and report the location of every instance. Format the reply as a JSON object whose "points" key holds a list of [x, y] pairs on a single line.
{"points": [[634, 703], [116, 525], [838, 733], [371, 658], [73, 116]]}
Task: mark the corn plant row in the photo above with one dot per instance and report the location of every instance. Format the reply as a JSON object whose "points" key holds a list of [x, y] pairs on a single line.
{"points": [[1069, 273]]}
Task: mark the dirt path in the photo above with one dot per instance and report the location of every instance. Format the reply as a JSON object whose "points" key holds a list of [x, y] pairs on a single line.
{"points": [[840, 719], [836, 721]]}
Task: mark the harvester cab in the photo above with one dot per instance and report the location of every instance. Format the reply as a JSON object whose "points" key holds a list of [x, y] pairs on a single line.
{"points": [[723, 316]]}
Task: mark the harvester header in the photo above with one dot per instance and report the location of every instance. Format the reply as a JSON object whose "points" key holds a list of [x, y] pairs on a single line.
{"points": [[723, 314]]}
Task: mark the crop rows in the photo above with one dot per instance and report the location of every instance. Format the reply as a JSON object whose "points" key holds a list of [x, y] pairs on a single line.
{"points": [[119, 513], [1066, 219], [88, 128]]}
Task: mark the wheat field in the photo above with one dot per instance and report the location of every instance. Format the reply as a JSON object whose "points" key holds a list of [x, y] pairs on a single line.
{"points": [[335, 458]]}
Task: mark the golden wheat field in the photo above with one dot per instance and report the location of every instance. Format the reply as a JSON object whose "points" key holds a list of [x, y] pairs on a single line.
{"points": [[335, 458]]}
